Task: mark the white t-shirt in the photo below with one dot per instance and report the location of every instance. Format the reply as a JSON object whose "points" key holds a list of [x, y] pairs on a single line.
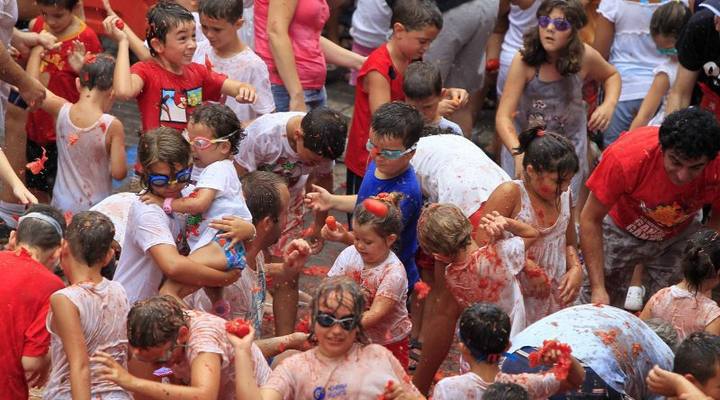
{"points": [[452, 169], [387, 279], [470, 386], [117, 207], [371, 23], [668, 68], [136, 270], [246, 33], [245, 66], [266, 148], [519, 22], [633, 51], [83, 175], [229, 200]]}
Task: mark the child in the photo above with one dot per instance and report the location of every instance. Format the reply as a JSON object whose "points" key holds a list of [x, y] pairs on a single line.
{"points": [[339, 366], [169, 85], [220, 20], [213, 133], [54, 70], [484, 335], [87, 316], [423, 90], [665, 26], [689, 306], [379, 272], [697, 360], [91, 143], [544, 87], [541, 200]]}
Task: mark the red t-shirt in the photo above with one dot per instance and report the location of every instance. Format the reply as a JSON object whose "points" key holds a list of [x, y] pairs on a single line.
{"points": [[61, 78], [356, 157], [167, 99], [25, 291], [632, 181]]}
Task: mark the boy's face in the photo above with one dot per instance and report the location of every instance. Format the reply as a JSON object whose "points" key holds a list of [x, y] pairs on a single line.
{"points": [[711, 387], [308, 158], [388, 167], [179, 46], [413, 44], [681, 170], [220, 33], [428, 107], [56, 18]]}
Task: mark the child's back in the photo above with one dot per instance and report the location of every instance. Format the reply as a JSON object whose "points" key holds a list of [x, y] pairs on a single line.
{"points": [[686, 311]]}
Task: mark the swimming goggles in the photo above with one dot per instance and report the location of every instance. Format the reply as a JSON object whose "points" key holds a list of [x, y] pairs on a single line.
{"points": [[388, 154], [326, 321], [668, 52], [182, 176], [202, 143], [561, 24]]}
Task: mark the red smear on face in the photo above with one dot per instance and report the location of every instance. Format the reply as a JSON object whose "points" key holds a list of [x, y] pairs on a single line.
{"points": [[563, 363], [331, 222], [39, 164], [375, 207], [545, 189], [73, 138], [422, 289], [316, 270], [636, 349], [238, 327], [607, 337], [303, 325], [120, 24]]}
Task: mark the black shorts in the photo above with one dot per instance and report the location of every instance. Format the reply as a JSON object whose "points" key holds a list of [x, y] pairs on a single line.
{"points": [[45, 180]]}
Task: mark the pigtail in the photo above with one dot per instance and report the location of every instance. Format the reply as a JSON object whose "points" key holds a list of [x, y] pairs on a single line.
{"points": [[526, 137], [701, 259]]}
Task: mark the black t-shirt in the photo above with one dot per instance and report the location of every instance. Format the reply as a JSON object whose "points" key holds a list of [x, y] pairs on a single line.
{"points": [[698, 44]]}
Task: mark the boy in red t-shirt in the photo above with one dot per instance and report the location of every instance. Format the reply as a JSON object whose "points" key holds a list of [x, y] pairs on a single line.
{"points": [[54, 70], [169, 85], [644, 202]]}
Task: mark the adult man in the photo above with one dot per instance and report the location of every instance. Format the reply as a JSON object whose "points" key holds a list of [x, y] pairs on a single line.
{"points": [[644, 202]]}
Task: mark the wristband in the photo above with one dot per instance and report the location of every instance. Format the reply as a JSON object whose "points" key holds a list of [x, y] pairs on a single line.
{"points": [[167, 205]]}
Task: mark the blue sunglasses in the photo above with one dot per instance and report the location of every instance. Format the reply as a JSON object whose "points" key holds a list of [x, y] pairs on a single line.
{"points": [[182, 176]]}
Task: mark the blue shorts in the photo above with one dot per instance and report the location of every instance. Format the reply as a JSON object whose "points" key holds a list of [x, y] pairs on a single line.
{"points": [[234, 255], [314, 98]]}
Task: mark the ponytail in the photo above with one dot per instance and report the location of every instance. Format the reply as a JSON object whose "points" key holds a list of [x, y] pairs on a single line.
{"points": [[702, 259], [547, 151]]}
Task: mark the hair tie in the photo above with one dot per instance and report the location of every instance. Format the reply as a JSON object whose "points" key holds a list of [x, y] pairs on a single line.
{"points": [[43, 217]]}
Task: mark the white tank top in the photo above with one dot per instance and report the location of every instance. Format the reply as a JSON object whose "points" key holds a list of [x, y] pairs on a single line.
{"points": [[83, 176]]}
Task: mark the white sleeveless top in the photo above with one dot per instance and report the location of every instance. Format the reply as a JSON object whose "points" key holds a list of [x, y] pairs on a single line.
{"points": [[548, 251], [83, 176]]}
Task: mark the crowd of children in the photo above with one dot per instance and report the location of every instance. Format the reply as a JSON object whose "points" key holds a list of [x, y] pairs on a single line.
{"points": [[522, 259]]}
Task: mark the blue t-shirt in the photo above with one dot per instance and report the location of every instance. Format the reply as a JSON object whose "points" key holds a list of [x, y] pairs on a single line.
{"points": [[410, 206]]}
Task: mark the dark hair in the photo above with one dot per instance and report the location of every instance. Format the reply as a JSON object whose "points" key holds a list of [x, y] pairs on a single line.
{"points": [[505, 391], [416, 14], [66, 4], [97, 71], [222, 121], [547, 152], [165, 145], [669, 19], [35, 232], [665, 331], [691, 132], [485, 331], [398, 120], [698, 355], [90, 236], [422, 80], [324, 132], [155, 321], [163, 17], [702, 258], [229, 10], [390, 224], [341, 286], [430, 130], [262, 196], [570, 58]]}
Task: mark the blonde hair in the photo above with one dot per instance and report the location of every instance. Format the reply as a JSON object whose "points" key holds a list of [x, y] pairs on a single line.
{"points": [[444, 229]]}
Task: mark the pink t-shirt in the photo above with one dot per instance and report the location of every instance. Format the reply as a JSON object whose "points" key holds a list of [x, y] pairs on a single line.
{"points": [[686, 311], [388, 279], [360, 375], [470, 386], [304, 31]]}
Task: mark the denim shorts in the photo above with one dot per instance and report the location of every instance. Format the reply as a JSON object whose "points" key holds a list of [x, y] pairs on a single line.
{"points": [[314, 98]]}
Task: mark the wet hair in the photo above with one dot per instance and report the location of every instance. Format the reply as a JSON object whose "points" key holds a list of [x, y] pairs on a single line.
{"points": [[341, 286], [699, 356], [38, 233], [701, 260], [415, 15], [324, 132], [692, 133], [262, 195], [430, 130], [505, 391], [90, 236], [164, 145], [162, 18], [229, 10], [398, 120], [97, 72], [665, 332], [222, 121], [443, 229], [570, 58], [66, 4], [390, 224], [485, 331], [422, 80], [155, 321], [669, 19]]}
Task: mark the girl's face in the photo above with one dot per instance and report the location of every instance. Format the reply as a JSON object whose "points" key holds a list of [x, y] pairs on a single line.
{"points": [[552, 38], [173, 188], [335, 341], [204, 152], [547, 185], [666, 45], [372, 247]]}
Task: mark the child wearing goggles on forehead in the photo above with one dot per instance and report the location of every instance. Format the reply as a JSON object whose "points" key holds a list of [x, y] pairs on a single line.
{"points": [[339, 366], [213, 133]]}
